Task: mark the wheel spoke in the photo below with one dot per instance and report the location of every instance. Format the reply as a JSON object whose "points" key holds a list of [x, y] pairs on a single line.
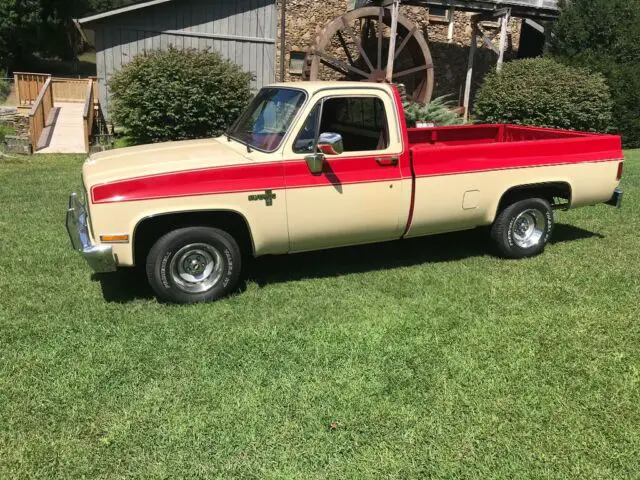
{"points": [[405, 42], [334, 63], [380, 35], [344, 47], [357, 43], [335, 67], [404, 73]]}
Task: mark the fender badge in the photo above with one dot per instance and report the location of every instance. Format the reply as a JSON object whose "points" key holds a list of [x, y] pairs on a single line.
{"points": [[268, 196]]}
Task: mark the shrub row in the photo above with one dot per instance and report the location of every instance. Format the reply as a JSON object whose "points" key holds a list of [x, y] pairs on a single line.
{"points": [[546, 93]]}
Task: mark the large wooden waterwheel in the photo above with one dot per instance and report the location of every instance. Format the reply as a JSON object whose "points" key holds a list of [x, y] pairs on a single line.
{"points": [[355, 46]]}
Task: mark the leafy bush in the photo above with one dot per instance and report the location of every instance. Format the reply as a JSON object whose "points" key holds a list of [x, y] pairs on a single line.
{"points": [[603, 35], [439, 112], [5, 89], [546, 93], [178, 94]]}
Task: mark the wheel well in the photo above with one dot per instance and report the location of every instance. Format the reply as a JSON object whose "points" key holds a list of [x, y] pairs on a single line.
{"points": [[558, 194], [149, 230]]}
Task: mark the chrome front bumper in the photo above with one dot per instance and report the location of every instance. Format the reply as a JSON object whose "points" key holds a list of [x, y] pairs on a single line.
{"points": [[100, 257]]}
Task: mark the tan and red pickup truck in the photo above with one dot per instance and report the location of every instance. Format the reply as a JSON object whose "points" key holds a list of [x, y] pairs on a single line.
{"points": [[319, 165]]}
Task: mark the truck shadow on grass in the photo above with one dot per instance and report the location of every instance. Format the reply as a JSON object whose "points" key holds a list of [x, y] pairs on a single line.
{"points": [[128, 285]]}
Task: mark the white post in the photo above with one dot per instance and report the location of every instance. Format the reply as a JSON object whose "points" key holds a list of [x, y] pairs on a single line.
{"points": [[452, 12], [472, 54], [395, 10], [504, 29]]}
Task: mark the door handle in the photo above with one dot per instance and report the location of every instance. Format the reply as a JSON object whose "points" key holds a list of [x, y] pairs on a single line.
{"points": [[387, 161]]}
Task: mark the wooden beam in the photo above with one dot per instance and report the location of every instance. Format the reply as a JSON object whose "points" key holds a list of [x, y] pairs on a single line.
{"points": [[487, 40], [395, 10], [472, 54], [533, 9], [504, 31], [452, 22], [496, 14]]}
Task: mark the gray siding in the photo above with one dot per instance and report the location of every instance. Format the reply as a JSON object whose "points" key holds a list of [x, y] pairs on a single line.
{"points": [[243, 31]]}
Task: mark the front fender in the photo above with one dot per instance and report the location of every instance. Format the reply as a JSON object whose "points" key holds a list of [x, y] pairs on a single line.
{"points": [[267, 224]]}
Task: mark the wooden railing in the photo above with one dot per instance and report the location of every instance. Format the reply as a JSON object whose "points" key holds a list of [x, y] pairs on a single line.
{"points": [[28, 87], [88, 113], [39, 93], [69, 90], [40, 112]]}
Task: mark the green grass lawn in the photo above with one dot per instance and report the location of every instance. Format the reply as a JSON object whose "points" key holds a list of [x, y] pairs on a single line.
{"points": [[433, 359]]}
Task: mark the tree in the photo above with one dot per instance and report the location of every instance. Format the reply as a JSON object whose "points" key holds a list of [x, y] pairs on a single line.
{"points": [[604, 36], [45, 27], [19, 22]]}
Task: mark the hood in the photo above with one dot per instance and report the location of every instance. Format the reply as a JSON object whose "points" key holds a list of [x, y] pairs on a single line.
{"points": [[159, 158]]}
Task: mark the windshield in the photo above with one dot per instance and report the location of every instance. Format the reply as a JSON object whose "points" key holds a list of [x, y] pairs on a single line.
{"points": [[266, 121]]}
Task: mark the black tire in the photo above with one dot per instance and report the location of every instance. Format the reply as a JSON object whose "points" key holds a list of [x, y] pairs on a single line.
{"points": [[191, 253], [509, 231]]}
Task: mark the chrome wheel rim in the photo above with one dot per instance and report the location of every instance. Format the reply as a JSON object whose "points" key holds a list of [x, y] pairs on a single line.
{"points": [[528, 228], [197, 268]]}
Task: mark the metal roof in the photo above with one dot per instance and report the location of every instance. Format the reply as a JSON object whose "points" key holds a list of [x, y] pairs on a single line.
{"points": [[120, 11]]}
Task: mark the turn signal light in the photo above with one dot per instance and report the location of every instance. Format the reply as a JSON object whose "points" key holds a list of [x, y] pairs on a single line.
{"points": [[620, 170], [114, 238]]}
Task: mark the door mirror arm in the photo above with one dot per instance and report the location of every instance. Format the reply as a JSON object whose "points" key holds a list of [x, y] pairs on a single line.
{"points": [[315, 163]]}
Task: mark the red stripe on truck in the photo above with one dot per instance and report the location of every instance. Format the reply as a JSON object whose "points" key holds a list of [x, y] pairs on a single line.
{"points": [[192, 183], [244, 178]]}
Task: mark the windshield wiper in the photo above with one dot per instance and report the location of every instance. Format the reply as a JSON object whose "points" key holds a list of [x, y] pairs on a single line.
{"points": [[246, 144]]}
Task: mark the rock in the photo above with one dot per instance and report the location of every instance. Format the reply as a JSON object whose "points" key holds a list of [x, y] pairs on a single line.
{"points": [[18, 144]]}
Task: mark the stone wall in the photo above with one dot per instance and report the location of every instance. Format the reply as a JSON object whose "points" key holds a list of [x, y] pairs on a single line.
{"points": [[305, 19], [20, 142]]}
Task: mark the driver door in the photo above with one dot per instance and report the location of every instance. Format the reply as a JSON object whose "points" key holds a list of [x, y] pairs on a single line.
{"points": [[359, 196]]}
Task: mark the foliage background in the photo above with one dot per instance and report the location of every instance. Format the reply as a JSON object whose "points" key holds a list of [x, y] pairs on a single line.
{"points": [[43, 27], [5, 89], [546, 93], [604, 36], [178, 94]]}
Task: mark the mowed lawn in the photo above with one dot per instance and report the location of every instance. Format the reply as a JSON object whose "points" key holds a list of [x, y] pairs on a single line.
{"points": [[431, 358]]}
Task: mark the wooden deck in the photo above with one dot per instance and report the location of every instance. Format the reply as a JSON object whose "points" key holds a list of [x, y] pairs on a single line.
{"points": [[65, 132], [61, 111]]}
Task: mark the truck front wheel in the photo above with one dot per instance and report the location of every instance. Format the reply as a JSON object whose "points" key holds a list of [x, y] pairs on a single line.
{"points": [[524, 228], [195, 264]]}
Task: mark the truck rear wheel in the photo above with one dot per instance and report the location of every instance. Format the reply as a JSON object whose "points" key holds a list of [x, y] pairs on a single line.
{"points": [[193, 265], [524, 228]]}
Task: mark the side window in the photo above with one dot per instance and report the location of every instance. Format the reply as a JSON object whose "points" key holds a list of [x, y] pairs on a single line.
{"points": [[362, 122]]}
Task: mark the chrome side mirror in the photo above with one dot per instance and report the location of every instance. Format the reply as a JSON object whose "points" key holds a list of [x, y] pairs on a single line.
{"points": [[330, 143]]}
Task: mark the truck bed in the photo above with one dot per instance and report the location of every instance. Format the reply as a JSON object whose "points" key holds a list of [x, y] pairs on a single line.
{"points": [[469, 148], [481, 134]]}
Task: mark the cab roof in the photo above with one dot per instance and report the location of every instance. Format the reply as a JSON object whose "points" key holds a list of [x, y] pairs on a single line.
{"points": [[313, 87]]}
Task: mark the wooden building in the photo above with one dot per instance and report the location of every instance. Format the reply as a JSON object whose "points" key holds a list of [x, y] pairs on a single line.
{"points": [[243, 31]]}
